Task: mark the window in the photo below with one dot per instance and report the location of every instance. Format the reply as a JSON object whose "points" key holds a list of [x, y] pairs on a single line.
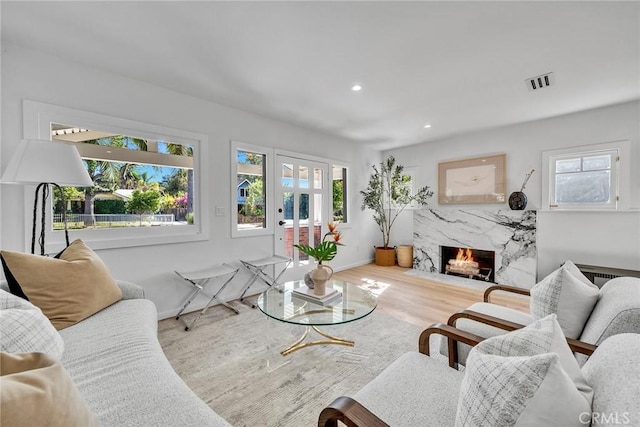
{"points": [[339, 189], [147, 178], [137, 182], [584, 177], [251, 198], [408, 181]]}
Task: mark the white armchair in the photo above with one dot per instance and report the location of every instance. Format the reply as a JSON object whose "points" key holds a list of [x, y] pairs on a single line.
{"points": [[417, 390], [616, 311]]}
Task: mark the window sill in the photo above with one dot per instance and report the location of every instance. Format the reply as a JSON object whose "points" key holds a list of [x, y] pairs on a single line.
{"points": [[107, 239], [590, 210]]}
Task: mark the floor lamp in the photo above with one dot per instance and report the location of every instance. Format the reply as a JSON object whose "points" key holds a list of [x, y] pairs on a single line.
{"points": [[46, 164]]}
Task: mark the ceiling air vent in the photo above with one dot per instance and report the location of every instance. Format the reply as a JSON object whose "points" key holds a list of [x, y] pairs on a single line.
{"points": [[539, 82]]}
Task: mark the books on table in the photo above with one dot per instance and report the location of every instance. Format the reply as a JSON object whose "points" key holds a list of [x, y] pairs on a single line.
{"points": [[331, 295]]}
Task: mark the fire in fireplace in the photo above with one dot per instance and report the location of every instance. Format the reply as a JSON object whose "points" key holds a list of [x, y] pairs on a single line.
{"points": [[472, 263]]}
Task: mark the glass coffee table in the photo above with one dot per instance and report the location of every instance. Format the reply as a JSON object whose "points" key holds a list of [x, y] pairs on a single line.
{"points": [[280, 303]]}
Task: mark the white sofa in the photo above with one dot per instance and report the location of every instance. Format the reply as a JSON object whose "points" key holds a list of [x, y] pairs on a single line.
{"points": [[115, 360]]}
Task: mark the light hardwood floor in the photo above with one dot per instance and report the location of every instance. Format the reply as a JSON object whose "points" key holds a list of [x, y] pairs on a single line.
{"points": [[420, 301]]}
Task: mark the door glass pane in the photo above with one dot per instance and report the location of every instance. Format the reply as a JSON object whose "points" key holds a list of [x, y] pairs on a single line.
{"points": [[317, 218], [317, 209], [303, 229], [287, 175], [287, 201], [287, 207], [317, 178], [303, 209], [303, 178]]}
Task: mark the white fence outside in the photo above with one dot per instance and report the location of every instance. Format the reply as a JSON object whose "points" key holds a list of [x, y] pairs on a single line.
{"points": [[113, 220]]}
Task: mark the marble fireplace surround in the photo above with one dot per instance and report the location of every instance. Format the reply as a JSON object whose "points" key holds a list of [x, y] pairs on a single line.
{"points": [[511, 234]]}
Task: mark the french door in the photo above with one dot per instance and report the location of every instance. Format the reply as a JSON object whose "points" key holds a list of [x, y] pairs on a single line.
{"points": [[302, 209]]}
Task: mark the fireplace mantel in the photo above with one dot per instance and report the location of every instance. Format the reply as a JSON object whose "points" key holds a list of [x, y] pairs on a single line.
{"points": [[511, 234]]}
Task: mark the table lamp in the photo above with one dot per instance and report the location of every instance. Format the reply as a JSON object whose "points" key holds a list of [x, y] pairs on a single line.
{"points": [[46, 163]]}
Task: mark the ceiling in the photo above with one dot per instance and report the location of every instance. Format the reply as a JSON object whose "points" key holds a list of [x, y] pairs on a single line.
{"points": [[458, 66]]}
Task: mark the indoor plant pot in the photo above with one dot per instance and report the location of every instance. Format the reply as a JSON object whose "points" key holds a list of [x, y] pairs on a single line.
{"points": [[385, 257], [405, 255]]}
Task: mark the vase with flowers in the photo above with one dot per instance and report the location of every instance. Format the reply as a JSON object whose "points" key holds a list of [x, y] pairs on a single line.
{"points": [[326, 250]]}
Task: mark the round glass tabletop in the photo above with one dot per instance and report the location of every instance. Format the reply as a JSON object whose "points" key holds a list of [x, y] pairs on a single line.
{"points": [[281, 303]]}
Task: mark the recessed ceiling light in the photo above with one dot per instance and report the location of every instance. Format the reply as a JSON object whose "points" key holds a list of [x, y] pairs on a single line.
{"points": [[427, 126], [356, 88]]}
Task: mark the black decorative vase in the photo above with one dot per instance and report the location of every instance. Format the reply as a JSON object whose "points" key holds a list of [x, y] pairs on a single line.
{"points": [[517, 201]]}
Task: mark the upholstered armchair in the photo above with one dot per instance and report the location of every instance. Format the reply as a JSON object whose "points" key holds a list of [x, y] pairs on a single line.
{"points": [[616, 311], [409, 378], [417, 390]]}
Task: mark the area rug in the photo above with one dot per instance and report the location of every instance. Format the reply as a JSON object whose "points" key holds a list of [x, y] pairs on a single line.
{"points": [[231, 362]]}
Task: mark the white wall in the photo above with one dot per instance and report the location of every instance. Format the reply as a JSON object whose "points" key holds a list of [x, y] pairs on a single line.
{"points": [[599, 238], [28, 74]]}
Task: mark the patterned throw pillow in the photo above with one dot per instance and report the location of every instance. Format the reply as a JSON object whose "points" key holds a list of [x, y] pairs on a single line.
{"points": [[541, 336], [567, 293], [515, 380], [499, 391], [25, 329]]}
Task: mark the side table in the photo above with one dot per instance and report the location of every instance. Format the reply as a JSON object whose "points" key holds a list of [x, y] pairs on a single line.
{"points": [[199, 280]]}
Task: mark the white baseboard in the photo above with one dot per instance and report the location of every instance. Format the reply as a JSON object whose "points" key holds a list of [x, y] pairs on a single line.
{"points": [[354, 265]]}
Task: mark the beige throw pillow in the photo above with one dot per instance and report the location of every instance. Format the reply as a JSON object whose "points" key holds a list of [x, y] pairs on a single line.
{"points": [[567, 293], [35, 390], [68, 289]]}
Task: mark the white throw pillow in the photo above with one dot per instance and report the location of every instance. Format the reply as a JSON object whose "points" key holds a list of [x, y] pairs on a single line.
{"points": [[541, 336], [499, 391], [528, 377], [25, 329], [567, 293]]}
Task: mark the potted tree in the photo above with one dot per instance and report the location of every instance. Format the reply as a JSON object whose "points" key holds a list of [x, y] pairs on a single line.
{"points": [[387, 195]]}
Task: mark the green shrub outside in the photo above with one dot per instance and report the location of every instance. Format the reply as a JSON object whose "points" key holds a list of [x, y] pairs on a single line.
{"points": [[109, 207]]}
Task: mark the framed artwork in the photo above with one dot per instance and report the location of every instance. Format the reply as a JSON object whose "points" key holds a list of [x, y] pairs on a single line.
{"points": [[477, 180]]}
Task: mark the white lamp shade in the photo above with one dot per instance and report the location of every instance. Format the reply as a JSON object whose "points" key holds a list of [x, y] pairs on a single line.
{"points": [[37, 161]]}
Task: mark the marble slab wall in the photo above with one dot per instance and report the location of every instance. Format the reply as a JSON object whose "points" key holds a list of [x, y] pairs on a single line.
{"points": [[511, 234]]}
